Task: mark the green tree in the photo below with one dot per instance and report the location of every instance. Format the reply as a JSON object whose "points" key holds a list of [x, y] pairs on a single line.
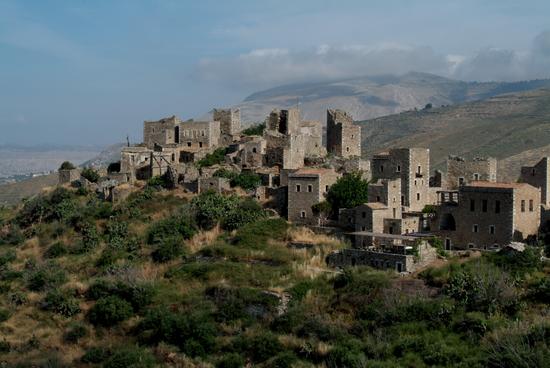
{"points": [[256, 129], [66, 165], [349, 191], [90, 174]]}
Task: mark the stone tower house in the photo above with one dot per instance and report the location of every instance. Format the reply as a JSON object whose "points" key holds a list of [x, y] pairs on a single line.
{"points": [[230, 124], [343, 137], [539, 177]]}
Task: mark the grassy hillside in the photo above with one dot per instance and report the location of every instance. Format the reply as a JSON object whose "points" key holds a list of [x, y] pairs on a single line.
{"points": [[502, 126], [11, 194], [374, 96], [165, 279]]}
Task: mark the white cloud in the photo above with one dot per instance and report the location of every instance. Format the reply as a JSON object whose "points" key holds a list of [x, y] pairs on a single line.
{"points": [[263, 68]]}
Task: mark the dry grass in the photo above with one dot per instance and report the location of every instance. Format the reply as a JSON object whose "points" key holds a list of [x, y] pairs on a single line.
{"points": [[203, 239]]}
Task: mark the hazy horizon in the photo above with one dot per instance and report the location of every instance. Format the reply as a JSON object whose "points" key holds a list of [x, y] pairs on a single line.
{"points": [[89, 73]]}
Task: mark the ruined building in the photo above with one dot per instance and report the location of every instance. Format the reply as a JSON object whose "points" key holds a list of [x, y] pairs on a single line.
{"points": [[539, 177], [343, 136], [461, 171], [230, 124]]}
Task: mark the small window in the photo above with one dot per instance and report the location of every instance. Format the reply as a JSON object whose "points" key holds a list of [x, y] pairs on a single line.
{"points": [[531, 206], [352, 136], [188, 144], [472, 205], [326, 188], [475, 228], [522, 205], [310, 188], [484, 205], [381, 168], [460, 181], [398, 168], [364, 214], [497, 206], [363, 228], [419, 169], [200, 144], [298, 188], [347, 149], [492, 229], [415, 183], [303, 214], [417, 196], [476, 176], [377, 198], [533, 172], [254, 150], [402, 200]]}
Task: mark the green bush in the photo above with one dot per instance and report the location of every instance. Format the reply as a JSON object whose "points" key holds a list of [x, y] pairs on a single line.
{"points": [[7, 257], [346, 354], [175, 226], [95, 355], [193, 333], [13, 235], [56, 250], [211, 208], [225, 173], [109, 311], [75, 332], [139, 295], [256, 234], [46, 277], [130, 357], [259, 347], [255, 129], [215, 158], [4, 314], [168, 250], [66, 165], [349, 191], [60, 303], [231, 360], [241, 303], [90, 174], [247, 211], [246, 180], [116, 233]]}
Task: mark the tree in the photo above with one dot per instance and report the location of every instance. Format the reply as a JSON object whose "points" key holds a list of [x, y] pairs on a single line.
{"points": [[428, 106], [257, 129], [66, 165], [322, 210], [349, 191], [90, 174]]}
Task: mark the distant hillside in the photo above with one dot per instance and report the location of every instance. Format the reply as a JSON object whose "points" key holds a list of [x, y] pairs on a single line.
{"points": [[511, 127], [371, 97], [11, 194]]}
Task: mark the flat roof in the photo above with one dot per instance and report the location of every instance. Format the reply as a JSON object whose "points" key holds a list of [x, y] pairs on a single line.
{"points": [[312, 171], [488, 184]]}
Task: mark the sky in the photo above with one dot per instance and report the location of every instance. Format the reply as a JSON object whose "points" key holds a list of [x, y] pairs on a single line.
{"points": [[90, 72]]}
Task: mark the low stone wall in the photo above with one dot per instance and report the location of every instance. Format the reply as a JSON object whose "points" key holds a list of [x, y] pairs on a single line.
{"points": [[359, 257]]}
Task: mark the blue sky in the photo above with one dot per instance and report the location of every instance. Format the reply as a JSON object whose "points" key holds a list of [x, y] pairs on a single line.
{"points": [[90, 72]]}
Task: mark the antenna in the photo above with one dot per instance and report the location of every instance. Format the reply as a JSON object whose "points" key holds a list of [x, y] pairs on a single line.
{"points": [[127, 140]]}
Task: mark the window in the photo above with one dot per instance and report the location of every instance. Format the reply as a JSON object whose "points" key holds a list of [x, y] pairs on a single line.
{"points": [[472, 205], [381, 168], [492, 229], [415, 183], [363, 228], [484, 205], [419, 169], [402, 200], [533, 172], [522, 205], [303, 214], [447, 244], [475, 228], [398, 168], [188, 144], [298, 188], [173, 157], [377, 198], [326, 188], [476, 176], [497, 206], [460, 181], [531, 207], [200, 144], [347, 149], [310, 188], [394, 212], [417, 196], [352, 136], [393, 200], [254, 150], [364, 214]]}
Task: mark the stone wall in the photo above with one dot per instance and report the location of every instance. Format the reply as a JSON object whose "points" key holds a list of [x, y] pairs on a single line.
{"points": [[199, 134], [68, 176], [539, 177], [461, 171], [216, 184], [230, 124], [343, 137], [161, 132]]}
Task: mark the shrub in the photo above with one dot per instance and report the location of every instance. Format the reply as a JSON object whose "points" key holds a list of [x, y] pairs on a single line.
{"points": [[259, 347], [90, 237], [95, 355], [58, 302], [256, 234], [246, 180], [168, 250], [231, 360], [47, 277], [256, 129], [4, 314], [283, 360], [138, 295], [224, 173], [193, 333], [66, 165], [13, 236], [176, 226], [130, 357], [116, 233], [76, 332], [211, 208], [349, 191], [5, 346], [90, 174], [346, 354], [215, 158], [56, 250], [241, 303], [7, 257], [245, 212], [109, 311]]}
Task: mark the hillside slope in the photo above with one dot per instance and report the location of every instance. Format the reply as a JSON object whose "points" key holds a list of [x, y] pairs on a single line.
{"points": [[504, 126], [371, 97]]}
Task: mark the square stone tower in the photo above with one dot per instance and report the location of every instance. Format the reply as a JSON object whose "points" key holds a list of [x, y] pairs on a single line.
{"points": [[230, 124], [343, 137]]}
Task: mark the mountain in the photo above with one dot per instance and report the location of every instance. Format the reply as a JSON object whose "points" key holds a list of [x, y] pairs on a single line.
{"points": [[513, 127], [371, 97]]}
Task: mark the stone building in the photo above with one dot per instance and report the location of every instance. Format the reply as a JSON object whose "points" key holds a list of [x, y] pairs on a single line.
{"points": [[284, 121], [343, 136], [286, 151], [136, 162], [161, 132], [188, 134], [307, 187], [412, 166], [539, 177], [230, 124], [487, 214], [215, 184], [313, 135], [461, 171], [68, 176]]}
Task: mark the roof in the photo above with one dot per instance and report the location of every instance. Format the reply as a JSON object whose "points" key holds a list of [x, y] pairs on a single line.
{"points": [[376, 205], [488, 184]]}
